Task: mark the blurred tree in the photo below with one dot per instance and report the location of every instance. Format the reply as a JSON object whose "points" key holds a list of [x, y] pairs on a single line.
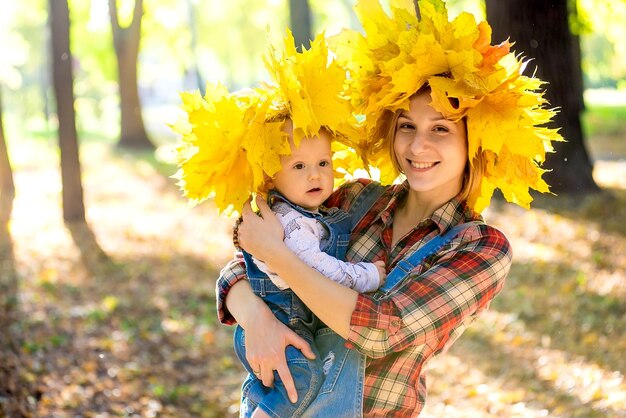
{"points": [[126, 42], [63, 82], [540, 28], [7, 187], [300, 22]]}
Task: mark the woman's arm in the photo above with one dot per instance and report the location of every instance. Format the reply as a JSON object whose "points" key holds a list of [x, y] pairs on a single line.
{"points": [[266, 336], [425, 309], [232, 273], [263, 237], [438, 299]]}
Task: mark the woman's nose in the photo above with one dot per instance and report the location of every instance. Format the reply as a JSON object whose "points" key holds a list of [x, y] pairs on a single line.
{"points": [[419, 143]]}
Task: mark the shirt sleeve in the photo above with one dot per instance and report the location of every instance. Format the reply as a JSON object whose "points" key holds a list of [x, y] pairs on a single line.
{"points": [[303, 236], [443, 293], [234, 271]]}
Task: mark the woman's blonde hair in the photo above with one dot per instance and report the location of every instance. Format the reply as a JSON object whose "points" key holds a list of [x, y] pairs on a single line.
{"points": [[474, 171]]}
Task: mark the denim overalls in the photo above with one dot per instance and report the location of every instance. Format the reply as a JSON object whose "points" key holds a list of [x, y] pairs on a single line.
{"points": [[289, 309]]}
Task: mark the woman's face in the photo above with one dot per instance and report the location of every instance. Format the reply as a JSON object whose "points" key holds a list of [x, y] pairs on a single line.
{"points": [[431, 150]]}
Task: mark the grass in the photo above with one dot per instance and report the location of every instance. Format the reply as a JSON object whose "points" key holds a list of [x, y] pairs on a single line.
{"points": [[604, 124]]}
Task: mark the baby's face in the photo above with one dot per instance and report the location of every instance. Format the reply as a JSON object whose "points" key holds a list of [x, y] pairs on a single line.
{"points": [[307, 176]]}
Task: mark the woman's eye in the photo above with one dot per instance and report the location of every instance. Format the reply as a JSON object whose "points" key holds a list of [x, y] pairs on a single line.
{"points": [[441, 129], [405, 126]]}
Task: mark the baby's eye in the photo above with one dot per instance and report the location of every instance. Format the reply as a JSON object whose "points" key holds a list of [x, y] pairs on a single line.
{"points": [[324, 163], [298, 166]]}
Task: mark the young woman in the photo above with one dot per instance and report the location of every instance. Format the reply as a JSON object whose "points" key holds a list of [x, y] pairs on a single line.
{"points": [[461, 121]]}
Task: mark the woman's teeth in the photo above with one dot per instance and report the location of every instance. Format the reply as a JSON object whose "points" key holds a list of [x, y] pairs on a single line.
{"points": [[421, 165]]}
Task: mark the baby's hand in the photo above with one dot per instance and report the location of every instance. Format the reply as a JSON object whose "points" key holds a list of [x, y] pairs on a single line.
{"points": [[382, 272]]}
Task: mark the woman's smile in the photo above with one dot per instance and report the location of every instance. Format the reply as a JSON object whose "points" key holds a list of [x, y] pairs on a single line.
{"points": [[420, 165]]}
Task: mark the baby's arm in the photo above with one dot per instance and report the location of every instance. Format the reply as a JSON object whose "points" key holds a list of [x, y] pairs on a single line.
{"points": [[382, 271], [303, 238]]}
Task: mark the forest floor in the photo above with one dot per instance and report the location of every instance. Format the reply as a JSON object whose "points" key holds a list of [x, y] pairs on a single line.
{"points": [[118, 318]]}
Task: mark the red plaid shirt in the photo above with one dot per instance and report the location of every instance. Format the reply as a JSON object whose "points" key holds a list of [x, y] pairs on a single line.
{"points": [[427, 312]]}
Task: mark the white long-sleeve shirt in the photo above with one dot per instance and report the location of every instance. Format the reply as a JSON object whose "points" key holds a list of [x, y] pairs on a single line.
{"points": [[303, 236]]}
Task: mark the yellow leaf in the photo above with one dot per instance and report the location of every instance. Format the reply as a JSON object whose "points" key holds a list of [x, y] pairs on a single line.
{"points": [[109, 303]]}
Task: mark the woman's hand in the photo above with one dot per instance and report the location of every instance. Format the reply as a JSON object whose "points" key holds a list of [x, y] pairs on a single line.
{"points": [[260, 235], [266, 337], [266, 341]]}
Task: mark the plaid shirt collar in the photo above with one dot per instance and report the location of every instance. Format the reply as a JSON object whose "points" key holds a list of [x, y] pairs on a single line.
{"points": [[448, 215]]}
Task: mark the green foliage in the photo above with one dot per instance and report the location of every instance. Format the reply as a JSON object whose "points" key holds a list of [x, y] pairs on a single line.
{"points": [[230, 43], [23, 41], [602, 30], [605, 120]]}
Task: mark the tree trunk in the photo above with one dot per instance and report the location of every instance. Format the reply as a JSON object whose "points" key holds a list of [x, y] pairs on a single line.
{"points": [[63, 82], [540, 29], [126, 42], [300, 22], [7, 187]]}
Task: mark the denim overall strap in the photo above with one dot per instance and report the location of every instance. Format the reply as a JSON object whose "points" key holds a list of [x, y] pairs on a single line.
{"points": [[273, 195], [364, 202], [338, 226], [406, 265]]}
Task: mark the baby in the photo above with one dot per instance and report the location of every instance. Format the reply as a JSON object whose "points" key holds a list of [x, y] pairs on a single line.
{"points": [[320, 237]]}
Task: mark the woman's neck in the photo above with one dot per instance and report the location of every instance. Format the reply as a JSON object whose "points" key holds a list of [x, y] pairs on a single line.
{"points": [[414, 208], [418, 207]]}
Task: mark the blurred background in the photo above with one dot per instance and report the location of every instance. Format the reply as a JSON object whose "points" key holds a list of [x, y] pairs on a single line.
{"points": [[107, 274]]}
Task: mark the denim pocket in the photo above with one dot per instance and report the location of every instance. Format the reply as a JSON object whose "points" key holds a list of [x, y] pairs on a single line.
{"points": [[333, 356], [341, 394], [280, 303]]}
